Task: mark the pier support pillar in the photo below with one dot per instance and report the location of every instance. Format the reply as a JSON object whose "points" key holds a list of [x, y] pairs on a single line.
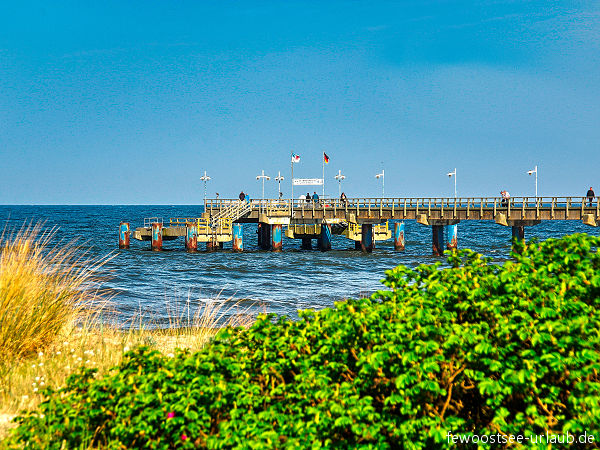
{"points": [[325, 239], [518, 233], [366, 242], [191, 237], [357, 245], [156, 243], [452, 243], [212, 245], [438, 240], [124, 233], [264, 235], [399, 243], [276, 238], [306, 243], [238, 238]]}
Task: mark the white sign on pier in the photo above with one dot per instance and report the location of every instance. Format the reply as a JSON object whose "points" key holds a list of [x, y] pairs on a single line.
{"points": [[308, 181]]}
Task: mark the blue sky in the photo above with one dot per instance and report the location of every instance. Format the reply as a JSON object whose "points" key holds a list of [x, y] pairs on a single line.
{"points": [[129, 102]]}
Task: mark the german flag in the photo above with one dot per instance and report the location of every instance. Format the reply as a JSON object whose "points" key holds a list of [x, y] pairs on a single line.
{"points": [[325, 158]]}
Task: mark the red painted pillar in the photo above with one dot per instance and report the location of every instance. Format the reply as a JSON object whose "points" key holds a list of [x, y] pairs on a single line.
{"points": [[276, 238], [156, 242], [124, 233], [238, 238], [399, 242], [191, 237]]}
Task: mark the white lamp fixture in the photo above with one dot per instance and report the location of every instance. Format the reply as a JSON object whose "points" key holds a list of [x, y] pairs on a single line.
{"points": [[531, 172], [205, 178], [450, 174], [264, 177], [382, 176], [340, 177]]}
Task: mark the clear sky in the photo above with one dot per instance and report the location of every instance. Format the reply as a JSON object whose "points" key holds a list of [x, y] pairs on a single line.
{"points": [[118, 102]]}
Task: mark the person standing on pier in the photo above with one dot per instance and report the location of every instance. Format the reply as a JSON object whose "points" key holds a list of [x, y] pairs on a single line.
{"points": [[308, 197], [242, 196], [590, 195], [343, 198], [315, 197], [505, 197]]}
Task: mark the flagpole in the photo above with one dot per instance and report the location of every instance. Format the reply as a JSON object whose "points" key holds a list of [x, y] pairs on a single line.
{"points": [[292, 163], [323, 162]]}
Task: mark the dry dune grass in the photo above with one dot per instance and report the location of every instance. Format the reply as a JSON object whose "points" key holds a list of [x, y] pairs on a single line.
{"points": [[51, 309]]}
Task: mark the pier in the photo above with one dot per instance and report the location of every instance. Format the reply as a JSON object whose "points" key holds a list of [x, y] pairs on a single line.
{"points": [[362, 220]]}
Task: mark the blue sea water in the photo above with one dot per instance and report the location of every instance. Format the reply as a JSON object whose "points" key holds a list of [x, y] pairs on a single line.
{"points": [[156, 283]]}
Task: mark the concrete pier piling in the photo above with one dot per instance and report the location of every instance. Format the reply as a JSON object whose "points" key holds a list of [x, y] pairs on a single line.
{"points": [[452, 243], [124, 233], [399, 242], [437, 239], [325, 239], [518, 232], [191, 237], [157, 238], [306, 243], [212, 245], [366, 242], [264, 236], [276, 238], [357, 245], [238, 238]]}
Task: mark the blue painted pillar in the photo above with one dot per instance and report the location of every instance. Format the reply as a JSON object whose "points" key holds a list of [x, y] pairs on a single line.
{"points": [[238, 237], [325, 239], [276, 237], [156, 243], [124, 233], [191, 237], [452, 243], [438, 240], [366, 242], [399, 242]]}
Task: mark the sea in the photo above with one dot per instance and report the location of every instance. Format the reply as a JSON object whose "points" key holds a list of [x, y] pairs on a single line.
{"points": [[154, 287]]}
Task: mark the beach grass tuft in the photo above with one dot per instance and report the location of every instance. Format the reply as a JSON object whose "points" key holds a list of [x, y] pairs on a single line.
{"points": [[53, 314]]}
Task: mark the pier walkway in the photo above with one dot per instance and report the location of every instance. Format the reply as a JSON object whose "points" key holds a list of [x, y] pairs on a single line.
{"points": [[363, 220]]}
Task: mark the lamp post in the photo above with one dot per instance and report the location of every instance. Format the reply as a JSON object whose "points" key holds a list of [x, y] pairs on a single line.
{"points": [[450, 174], [205, 178], [531, 172], [279, 179], [382, 176], [264, 177], [339, 177]]}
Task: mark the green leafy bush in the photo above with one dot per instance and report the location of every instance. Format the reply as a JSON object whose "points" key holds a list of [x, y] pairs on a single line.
{"points": [[473, 348]]}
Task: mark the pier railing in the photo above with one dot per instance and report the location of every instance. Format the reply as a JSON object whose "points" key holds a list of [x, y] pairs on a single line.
{"points": [[422, 204]]}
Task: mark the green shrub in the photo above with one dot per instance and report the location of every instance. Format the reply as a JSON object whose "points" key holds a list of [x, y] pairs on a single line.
{"points": [[474, 348]]}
